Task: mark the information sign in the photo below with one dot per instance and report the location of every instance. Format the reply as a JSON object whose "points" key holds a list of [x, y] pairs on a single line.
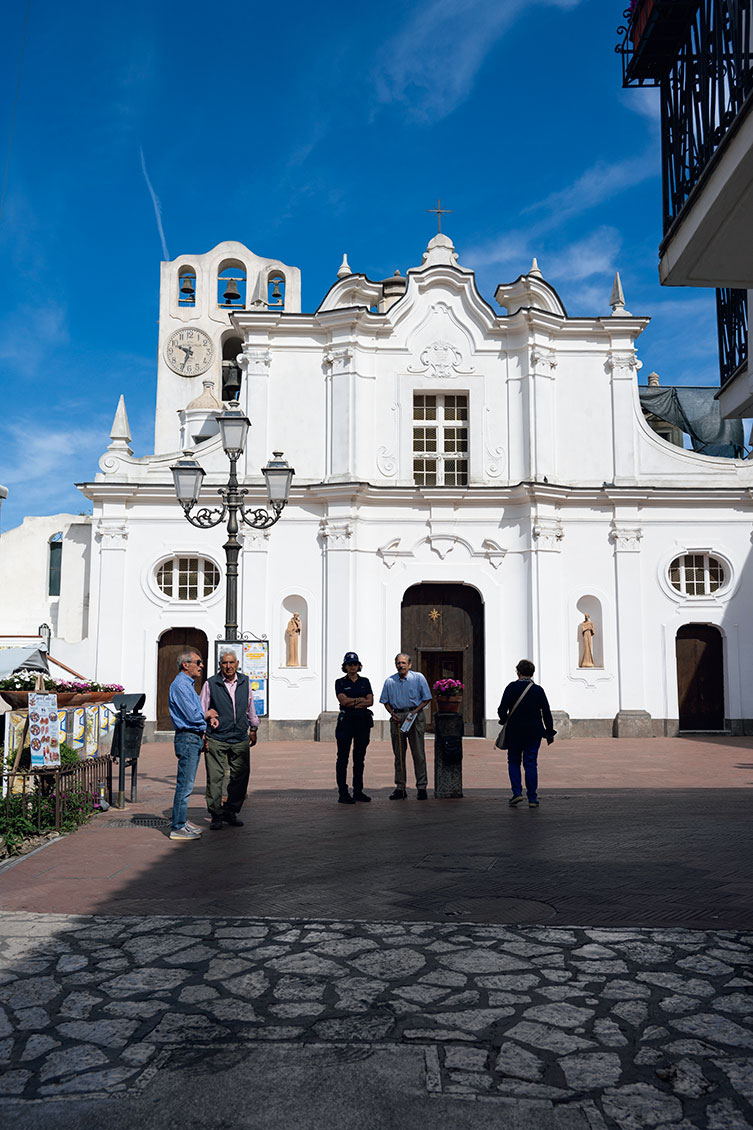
{"points": [[43, 731]]}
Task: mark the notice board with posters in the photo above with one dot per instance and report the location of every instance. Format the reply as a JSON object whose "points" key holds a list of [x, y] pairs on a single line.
{"points": [[253, 660]]}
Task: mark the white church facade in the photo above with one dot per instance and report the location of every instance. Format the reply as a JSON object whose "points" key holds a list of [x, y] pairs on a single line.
{"points": [[470, 482]]}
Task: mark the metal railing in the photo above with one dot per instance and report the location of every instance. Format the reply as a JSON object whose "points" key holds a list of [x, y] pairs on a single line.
{"points": [[699, 53], [35, 801], [732, 328]]}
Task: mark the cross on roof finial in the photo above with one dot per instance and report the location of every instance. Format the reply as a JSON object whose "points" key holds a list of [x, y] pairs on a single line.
{"points": [[440, 211]]}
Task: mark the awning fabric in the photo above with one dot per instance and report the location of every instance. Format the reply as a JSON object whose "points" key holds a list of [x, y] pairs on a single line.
{"points": [[17, 658]]}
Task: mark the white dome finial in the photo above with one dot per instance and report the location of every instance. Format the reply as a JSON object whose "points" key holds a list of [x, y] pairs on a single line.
{"points": [[344, 269], [535, 268]]}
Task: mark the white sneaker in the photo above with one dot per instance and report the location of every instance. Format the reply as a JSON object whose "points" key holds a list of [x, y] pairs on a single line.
{"points": [[184, 833], [193, 828]]}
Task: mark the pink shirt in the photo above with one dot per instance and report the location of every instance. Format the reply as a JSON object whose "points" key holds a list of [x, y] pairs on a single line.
{"points": [[230, 686]]}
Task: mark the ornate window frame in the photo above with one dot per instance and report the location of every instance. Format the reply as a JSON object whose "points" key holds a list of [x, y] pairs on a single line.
{"points": [[162, 598], [722, 594]]}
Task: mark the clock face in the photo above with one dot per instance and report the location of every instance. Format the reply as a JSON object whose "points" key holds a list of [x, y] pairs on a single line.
{"points": [[189, 352]]}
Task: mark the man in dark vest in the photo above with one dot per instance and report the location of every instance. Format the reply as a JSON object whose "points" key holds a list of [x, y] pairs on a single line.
{"points": [[229, 706]]}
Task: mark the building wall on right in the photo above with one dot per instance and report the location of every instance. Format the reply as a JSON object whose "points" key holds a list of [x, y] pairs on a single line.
{"points": [[700, 55]]}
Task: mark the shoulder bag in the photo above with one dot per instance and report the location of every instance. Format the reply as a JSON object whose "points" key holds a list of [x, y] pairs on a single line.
{"points": [[500, 742]]}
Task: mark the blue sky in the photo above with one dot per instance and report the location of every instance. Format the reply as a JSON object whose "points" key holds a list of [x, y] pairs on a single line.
{"points": [[304, 131]]}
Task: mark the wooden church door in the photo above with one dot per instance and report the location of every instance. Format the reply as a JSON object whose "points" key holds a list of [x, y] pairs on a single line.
{"points": [[171, 644], [442, 630], [700, 677]]}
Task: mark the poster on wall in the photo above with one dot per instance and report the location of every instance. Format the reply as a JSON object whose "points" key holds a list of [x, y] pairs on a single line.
{"points": [[44, 731], [256, 666], [253, 660]]}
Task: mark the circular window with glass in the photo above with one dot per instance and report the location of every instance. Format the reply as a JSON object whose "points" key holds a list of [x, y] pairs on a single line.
{"points": [[697, 574], [188, 578]]}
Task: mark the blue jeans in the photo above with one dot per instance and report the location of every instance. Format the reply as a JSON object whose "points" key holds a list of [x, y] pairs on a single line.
{"points": [[188, 752], [529, 755]]}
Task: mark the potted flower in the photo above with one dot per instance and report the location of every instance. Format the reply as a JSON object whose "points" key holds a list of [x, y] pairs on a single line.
{"points": [[449, 693], [15, 690]]}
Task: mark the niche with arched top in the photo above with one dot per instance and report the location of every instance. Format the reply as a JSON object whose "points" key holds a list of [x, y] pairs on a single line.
{"points": [[276, 291], [591, 606], [186, 286], [294, 643], [231, 285], [231, 370]]}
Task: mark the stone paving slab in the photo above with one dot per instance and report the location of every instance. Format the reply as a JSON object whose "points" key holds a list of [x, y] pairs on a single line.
{"points": [[606, 857], [623, 1028]]}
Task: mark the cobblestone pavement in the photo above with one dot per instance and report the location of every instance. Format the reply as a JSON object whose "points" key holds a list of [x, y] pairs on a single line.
{"points": [[630, 1027]]}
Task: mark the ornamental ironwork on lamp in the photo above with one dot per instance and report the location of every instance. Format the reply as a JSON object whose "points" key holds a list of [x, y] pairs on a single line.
{"points": [[188, 476]]}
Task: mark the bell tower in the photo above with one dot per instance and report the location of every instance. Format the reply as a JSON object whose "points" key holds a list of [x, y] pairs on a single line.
{"points": [[198, 343]]}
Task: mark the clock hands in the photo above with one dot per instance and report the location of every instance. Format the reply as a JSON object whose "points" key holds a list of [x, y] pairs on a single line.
{"points": [[188, 350]]}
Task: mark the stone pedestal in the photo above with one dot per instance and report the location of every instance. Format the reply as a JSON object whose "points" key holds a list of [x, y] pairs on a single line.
{"points": [[448, 756], [633, 724]]}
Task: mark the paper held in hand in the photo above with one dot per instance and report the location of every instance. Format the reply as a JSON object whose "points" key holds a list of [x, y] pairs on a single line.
{"points": [[407, 723]]}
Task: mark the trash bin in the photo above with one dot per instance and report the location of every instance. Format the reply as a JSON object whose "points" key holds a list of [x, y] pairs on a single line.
{"points": [[448, 755], [134, 725], [126, 740]]}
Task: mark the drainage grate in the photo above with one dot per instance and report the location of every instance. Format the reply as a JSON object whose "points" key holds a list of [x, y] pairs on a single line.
{"points": [[139, 822]]}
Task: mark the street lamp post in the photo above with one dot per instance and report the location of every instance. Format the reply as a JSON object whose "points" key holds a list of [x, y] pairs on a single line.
{"points": [[188, 476]]}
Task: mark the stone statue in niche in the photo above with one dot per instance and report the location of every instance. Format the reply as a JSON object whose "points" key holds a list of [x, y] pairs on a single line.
{"points": [[587, 632], [293, 640]]}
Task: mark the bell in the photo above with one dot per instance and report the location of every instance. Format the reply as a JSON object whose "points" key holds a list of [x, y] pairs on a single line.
{"points": [[276, 292], [231, 381], [232, 294], [187, 287]]}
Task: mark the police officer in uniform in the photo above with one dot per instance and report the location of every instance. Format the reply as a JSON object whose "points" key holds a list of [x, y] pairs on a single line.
{"points": [[354, 724]]}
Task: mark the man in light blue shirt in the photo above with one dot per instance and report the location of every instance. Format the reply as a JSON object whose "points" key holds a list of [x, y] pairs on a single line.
{"points": [[190, 725], [406, 695]]}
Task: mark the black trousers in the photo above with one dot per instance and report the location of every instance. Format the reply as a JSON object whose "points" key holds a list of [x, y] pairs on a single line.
{"points": [[355, 730]]}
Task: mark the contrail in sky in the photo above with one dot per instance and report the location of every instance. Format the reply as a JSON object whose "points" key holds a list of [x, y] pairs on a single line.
{"points": [[156, 203]]}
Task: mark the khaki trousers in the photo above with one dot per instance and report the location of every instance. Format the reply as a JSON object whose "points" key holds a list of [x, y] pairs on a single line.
{"points": [[415, 739], [222, 757]]}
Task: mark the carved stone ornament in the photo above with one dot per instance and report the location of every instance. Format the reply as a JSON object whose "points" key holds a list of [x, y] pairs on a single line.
{"points": [[442, 544], [543, 361], [623, 363], [112, 535], [495, 453], [339, 359], [442, 360], [626, 539], [255, 539], [390, 552], [337, 533], [548, 533], [494, 554], [256, 362]]}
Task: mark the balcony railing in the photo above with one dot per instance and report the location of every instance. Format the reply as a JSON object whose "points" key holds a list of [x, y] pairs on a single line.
{"points": [[732, 327], [699, 52]]}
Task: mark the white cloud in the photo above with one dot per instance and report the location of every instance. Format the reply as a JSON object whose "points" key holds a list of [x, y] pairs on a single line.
{"points": [[431, 64], [26, 352], [42, 457], [599, 183], [596, 254], [643, 100], [505, 249]]}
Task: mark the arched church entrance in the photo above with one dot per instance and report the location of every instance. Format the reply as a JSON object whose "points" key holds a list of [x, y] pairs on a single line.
{"points": [[700, 677], [442, 630], [171, 644]]}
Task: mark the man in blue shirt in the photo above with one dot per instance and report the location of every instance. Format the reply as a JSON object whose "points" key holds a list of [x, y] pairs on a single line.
{"points": [[190, 725], [406, 695]]}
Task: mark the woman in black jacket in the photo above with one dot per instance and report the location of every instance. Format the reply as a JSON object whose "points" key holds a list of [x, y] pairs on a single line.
{"points": [[524, 712]]}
